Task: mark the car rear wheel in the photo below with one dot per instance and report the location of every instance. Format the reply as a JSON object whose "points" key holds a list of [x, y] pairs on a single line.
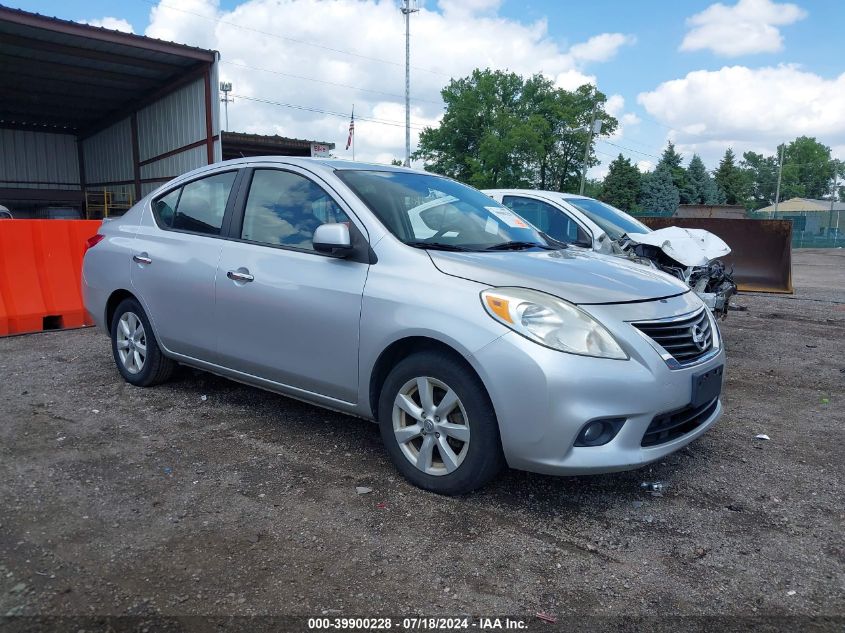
{"points": [[438, 424], [136, 352]]}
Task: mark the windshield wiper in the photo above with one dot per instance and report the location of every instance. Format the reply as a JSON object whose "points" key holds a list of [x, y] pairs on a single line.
{"points": [[517, 246], [438, 246]]}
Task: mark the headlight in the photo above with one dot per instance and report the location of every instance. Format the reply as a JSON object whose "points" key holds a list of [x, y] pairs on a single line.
{"points": [[551, 322]]}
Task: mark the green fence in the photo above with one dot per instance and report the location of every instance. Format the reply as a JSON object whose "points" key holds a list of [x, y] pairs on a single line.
{"points": [[811, 229]]}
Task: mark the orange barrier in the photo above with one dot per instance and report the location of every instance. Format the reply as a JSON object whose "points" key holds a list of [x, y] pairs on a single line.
{"points": [[40, 274]]}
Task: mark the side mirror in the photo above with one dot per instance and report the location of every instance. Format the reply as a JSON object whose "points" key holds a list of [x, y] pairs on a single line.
{"points": [[333, 239]]}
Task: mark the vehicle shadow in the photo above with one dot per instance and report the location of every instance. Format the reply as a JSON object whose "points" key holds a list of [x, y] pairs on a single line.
{"points": [[286, 421]]}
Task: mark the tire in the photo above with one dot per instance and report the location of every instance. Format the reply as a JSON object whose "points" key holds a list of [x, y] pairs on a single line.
{"points": [[462, 465], [130, 343]]}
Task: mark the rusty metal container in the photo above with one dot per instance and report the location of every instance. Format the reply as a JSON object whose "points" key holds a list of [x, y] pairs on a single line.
{"points": [[761, 250]]}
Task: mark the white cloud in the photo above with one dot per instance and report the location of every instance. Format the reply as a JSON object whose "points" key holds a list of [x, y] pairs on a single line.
{"points": [[746, 108], [645, 165], [448, 39], [115, 24], [615, 107], [188, 22], [601, 48], [572, 79], [749, 26], [468, 7]]}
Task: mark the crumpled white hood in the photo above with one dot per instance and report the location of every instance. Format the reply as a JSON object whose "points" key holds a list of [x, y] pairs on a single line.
{"points": [[690, 247]]}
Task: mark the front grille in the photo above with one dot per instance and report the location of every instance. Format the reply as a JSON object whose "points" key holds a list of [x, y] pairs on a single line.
{"points": [[670, 426], [686, 338]]}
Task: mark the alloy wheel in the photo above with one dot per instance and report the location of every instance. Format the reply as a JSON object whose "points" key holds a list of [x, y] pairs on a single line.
{"points": [[431, 425], [131, 342]]}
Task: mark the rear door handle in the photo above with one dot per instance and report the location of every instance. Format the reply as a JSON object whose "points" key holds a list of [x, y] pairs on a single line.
{"points": [[143, 258], [237, 275]]}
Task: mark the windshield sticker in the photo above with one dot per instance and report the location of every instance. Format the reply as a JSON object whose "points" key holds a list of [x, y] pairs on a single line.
{"points": [[508, 217]]}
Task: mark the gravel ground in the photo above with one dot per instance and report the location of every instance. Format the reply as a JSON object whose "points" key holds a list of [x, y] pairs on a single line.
{"points": [[206, 497]]}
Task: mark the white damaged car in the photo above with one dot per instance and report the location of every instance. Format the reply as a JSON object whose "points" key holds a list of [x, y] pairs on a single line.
{"points": [[691, 255]]}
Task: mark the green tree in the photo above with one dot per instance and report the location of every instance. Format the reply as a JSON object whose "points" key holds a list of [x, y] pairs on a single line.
{"points": [[500, 130], [672, 160], [622, 184], [732, 180], [658, 193], [713, 193], [569, 121], [701, 189], [807, 169], [762, 177], [477, 138]]}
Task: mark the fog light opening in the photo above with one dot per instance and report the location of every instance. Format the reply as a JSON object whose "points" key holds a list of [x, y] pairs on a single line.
{"points": [[599, 432]]}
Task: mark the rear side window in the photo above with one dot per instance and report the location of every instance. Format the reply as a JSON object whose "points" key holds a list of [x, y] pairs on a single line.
{"points": [[284, 209], [165, 208], [197, 207]]}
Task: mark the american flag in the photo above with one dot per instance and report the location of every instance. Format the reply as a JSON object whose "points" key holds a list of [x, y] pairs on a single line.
{"points": [[351, 129]]}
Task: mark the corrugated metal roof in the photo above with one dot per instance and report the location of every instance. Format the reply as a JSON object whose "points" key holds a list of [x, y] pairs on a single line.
{"points": [[59, 75], [237, 144]]}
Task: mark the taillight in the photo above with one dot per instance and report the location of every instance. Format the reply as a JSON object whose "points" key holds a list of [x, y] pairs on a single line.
{"points": [[93, 240]]}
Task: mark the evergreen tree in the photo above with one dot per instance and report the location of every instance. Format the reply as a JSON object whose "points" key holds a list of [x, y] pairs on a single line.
{"points": [[713, 193], [672, 160], [731, 179], [621, 185], [700, 185], [658, 193]]}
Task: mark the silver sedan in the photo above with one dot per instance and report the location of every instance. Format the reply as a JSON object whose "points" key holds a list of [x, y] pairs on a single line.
{"points": [[409, 299]]}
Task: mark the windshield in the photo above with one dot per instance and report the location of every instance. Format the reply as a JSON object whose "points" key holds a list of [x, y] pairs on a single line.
{"points": [[612, 221], [428, 211]]}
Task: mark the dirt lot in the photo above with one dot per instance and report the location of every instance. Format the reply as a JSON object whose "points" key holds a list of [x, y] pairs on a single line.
{"points": [[207, 497]]}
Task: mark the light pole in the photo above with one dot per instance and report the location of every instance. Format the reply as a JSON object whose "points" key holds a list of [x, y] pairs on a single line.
{"points": [[407, 9], [595, 128], [226, 88], [780, 174]]}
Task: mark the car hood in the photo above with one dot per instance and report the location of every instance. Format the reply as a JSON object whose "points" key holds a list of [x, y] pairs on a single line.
{"points": [[577, 275], [690, 247]]}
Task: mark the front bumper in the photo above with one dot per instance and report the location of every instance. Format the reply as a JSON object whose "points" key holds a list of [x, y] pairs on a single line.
{"points": [[543, 397]]}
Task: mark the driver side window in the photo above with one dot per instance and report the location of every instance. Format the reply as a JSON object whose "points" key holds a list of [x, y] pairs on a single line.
{"points": [[284, 209], [552, 221]]}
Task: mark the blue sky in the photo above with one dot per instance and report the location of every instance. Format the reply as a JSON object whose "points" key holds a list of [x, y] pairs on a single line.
{"points": [[762, 70]]}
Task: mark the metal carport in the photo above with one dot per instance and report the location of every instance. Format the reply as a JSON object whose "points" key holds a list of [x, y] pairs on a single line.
{"points": [[97, 118]]}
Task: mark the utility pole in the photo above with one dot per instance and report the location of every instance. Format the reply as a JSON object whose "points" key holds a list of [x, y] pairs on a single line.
{"points": [[408, 10], [226, 88], [595, 127], [780, 174], [833, 197]]}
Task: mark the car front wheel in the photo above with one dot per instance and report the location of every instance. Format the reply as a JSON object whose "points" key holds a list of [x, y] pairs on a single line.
{"points": [[136, 352], [438, 424]]}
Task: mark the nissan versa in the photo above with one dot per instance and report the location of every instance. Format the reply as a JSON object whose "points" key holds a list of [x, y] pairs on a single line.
{"points": [[409, 299]]}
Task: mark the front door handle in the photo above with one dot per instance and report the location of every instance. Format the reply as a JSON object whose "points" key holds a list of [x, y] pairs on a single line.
{"points": [[143, 258], [237, 275]]}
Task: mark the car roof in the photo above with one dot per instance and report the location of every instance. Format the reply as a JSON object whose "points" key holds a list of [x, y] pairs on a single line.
{"points": [[542, 192], [328, 163], [312, 164]]}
